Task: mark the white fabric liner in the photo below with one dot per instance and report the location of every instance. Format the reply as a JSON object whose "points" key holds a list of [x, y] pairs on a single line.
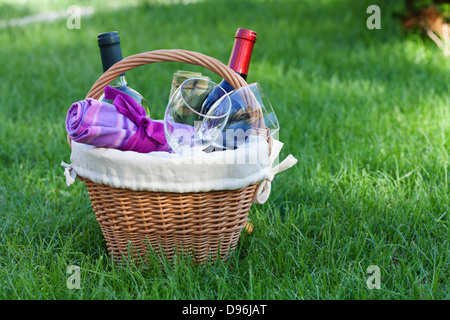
{"points": [[169, 172]]}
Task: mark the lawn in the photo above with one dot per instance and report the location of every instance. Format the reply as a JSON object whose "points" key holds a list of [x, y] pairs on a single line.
{"points": [[366, 113]]}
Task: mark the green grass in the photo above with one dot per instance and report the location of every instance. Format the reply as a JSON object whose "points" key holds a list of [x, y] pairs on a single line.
{"points": [[364, 111]]}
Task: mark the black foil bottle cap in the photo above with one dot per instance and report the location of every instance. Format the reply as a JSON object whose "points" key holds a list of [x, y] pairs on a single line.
{"points": [[107, 38], [110, 51]]}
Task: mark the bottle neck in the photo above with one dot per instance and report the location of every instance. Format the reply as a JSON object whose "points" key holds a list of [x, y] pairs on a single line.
{"points": [[110, 54], [243, 75], [119, 82], [241, 55]]}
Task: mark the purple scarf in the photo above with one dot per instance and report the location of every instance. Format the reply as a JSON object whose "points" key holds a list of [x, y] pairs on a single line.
{"points": [[121, 125]]}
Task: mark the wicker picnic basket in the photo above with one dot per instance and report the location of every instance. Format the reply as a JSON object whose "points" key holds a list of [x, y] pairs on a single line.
{"points": [[207, 225]]}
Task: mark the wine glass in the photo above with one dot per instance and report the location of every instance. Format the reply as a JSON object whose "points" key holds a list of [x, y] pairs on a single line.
{"points": [[251, 114], [188, 126]]}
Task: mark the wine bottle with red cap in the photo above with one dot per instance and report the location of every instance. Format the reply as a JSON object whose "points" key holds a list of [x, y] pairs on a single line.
{"points": [[111, 53], [239, 61]]}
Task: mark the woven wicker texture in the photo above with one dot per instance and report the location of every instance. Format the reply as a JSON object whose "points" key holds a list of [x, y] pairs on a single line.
{"points": [[205, 225]]}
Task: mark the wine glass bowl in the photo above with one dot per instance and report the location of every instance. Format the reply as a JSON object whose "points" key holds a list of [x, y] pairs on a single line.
{"points": [[188, 125], [251, 114]]}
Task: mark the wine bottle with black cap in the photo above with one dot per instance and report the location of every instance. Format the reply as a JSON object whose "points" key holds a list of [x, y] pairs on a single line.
{"points": [[111, 53]]}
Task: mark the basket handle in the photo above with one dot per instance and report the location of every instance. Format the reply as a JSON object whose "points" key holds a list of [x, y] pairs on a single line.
{"points": [[165, 55], [171, 55]]}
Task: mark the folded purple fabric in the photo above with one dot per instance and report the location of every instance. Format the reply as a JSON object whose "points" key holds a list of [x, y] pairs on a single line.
{"points": [[121, 125]]}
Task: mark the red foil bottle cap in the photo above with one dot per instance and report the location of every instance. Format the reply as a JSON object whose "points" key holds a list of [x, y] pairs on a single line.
{"points": [[242, 51], [246, 34]]}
